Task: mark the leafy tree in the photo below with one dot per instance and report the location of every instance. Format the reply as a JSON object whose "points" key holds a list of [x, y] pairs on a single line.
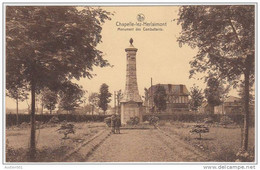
{"points": [[49, 45], [49, 99], [16, 87], [225, 39], [19, 94], [215, 92], [70, 96], [93, 100], [212, 92], [159, 98], [104, 97], [87, 108], [196, 98]]}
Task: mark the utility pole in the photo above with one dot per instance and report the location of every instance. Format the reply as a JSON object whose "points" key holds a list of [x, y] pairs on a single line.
{"points": [[115, 101], [151, 94]]}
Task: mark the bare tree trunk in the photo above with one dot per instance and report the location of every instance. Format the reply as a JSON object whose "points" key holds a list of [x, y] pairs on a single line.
{"points": [[246, 114], [246, 98], [242, 135], [17, 116], [32, 141], [42, 109]]}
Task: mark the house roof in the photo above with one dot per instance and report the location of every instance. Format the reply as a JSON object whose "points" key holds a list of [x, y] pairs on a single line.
{"points": [[178, 89], [232, 99]]}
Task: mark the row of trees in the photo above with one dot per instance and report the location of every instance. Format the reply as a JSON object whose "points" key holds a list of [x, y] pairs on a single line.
{"points": [[73, 97], [68, 101]]}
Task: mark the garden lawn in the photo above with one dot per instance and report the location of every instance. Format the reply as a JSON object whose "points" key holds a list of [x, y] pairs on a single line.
{"points": [[221, 143], [49, 142]]}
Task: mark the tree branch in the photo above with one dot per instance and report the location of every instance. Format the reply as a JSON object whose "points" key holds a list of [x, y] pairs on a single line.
{"points": [[234, 30]]}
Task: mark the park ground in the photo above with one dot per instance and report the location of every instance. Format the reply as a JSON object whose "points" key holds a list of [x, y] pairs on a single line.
{"points": [[171, 142]]}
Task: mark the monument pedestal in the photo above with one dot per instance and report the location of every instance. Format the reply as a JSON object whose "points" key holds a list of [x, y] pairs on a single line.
{"points": [[130, 109]]}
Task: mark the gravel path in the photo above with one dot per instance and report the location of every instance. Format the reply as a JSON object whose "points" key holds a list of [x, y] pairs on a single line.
{"points": [[148, 145]]}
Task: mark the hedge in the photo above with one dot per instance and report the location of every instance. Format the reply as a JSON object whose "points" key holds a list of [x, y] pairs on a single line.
{"points": [[11, 118], [182, 117], [191, 117], [187, 117]]}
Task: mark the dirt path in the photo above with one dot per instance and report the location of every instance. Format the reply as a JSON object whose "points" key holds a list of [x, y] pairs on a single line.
{"points": [[148, 145]]}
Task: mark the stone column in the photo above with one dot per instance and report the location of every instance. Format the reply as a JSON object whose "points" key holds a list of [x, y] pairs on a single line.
{"points": [[131, 102]]}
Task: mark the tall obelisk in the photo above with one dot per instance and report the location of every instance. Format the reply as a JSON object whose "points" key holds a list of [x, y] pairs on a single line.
{"points": [[131, 102]]}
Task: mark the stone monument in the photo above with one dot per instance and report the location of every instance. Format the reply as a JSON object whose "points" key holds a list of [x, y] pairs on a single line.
{"points": [[131, 102]]}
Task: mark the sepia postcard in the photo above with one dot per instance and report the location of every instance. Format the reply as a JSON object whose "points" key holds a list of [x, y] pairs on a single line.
{"points": [[132, 83]]}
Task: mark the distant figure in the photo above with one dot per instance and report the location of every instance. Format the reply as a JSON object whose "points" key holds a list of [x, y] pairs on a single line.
{"points": [[117, 124], [113, 123]]}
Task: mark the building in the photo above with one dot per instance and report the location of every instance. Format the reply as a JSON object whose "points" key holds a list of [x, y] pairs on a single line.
{"points": [[177, 98], [205, 108], [230, 105]]}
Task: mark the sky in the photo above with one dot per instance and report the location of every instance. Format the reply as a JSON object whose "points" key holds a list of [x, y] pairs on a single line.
{"points": [[158, 57]]}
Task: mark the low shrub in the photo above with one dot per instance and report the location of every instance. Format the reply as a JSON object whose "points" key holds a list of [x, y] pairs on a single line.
{"points": [[133, 121], [153, 120], [66, 128], [225, 154], [15, 155], [226, 120], [108, 121], [199, 129], [185, 117], [244, 156], [208, 120], [236, 118]]}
